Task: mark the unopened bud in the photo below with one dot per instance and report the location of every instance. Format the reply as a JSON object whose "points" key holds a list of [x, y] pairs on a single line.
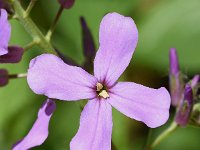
{"points": [[3, 77], [176, 79], [184, 110], [88, 46], [14, 55], [67, 4]]}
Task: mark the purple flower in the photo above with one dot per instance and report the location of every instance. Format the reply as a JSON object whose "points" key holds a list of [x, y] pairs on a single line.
{"points": [[5, 30], [39, 132], [184, 111], [176, 83], [50, 76]]}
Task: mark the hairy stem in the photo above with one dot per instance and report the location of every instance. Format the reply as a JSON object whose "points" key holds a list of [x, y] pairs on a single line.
{"points": [[31, 28]]}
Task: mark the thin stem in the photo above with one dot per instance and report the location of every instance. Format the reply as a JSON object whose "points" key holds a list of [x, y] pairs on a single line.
{"points": [[20, 75], [165, 134], [145, 147], [30, 45], [32, 29], [29, 8], [53, 26]]}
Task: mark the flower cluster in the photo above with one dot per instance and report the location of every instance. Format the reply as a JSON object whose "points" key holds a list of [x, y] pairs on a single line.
{"points": [[184, 93]]}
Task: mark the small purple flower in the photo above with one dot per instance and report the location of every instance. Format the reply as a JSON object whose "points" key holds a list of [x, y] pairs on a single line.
{"points": [[66, 3], [39, 132], [184, 110], [176, 83], [5, 30], [3, 77], [50, 76]]}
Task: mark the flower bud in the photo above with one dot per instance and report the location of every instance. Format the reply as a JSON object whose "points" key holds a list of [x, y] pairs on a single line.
{"points": [[184, 110], [14, 55], [67, 4], [66, 59], [195, 84], [88, 46], [176, 80], [195, 81], [4, 4], [3, 77]]}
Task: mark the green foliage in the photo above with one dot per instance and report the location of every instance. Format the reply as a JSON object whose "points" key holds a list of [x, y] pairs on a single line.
{"points": [[162, 24]]}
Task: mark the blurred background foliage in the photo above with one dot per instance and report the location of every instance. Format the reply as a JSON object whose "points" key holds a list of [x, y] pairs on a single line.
{"points": [[162, 24]]}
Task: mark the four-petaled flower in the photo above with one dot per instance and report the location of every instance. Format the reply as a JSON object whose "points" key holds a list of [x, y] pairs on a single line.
{"points": [[50, 76]]}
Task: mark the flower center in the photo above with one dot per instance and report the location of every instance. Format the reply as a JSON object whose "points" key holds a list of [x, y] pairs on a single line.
{"points": [[101, 91]]}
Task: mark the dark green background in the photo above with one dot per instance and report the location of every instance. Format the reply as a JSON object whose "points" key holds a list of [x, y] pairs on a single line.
{"points": [[162, 24]]}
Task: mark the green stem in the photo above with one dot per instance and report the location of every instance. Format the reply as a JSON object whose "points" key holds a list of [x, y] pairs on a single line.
{"points": [[147, 142], [165, 134], [53, 26], [30, 7], [32, 29], [30, 45]]}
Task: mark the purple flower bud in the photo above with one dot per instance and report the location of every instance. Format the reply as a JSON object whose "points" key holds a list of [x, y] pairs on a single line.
{"points": [[4, 4], [14, 55], [66, 59], [88, 45], [67, 4], [173, 59], [176, 80], [184, 110], [3, 77], [195, 81]]}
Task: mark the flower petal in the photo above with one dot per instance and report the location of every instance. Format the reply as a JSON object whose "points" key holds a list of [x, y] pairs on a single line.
{"points": [[50, 76], [5, 30], [118, 40], [39, 132], [14, 55], [95, 127], [136, 101]]}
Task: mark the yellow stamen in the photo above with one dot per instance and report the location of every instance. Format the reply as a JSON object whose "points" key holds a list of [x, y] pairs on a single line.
{"points": [[101, 91], [104, 94], [99, 87]]}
